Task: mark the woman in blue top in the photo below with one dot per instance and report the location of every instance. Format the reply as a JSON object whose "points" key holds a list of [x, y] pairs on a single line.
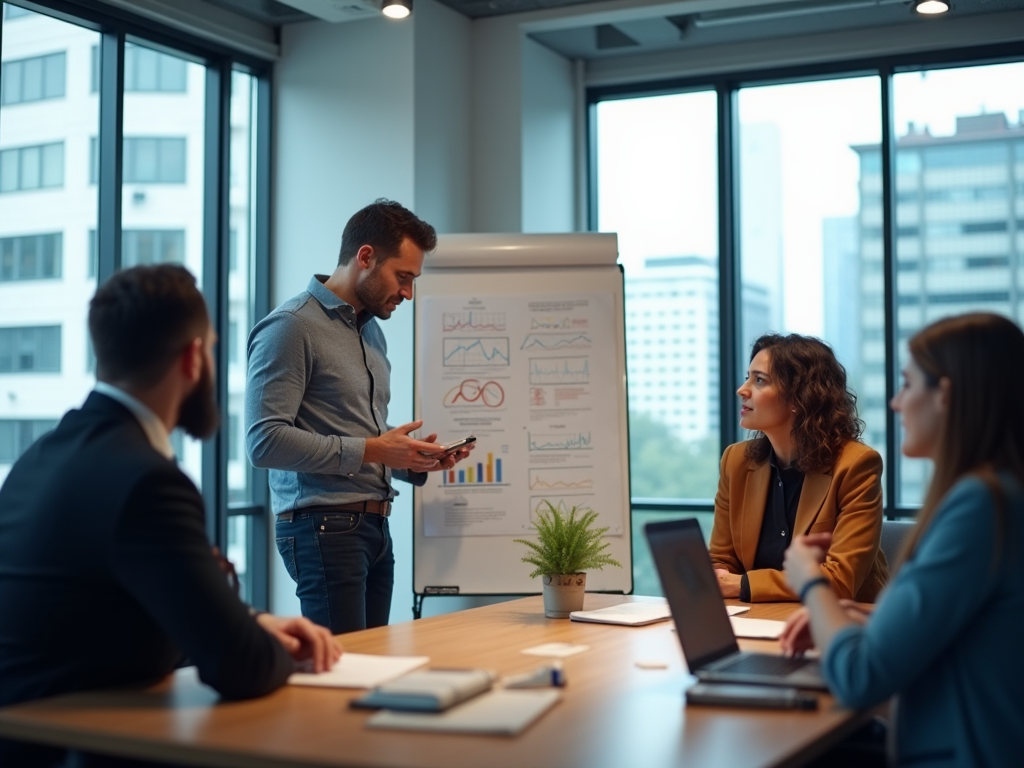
{"points": [[945, 635]]}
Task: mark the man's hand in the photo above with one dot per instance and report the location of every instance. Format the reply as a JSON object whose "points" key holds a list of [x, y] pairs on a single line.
{"points": [[450, 459], [303, 639], [397, 450], [728, 583]]}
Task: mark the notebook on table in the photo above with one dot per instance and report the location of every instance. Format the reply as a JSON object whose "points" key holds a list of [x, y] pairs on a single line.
{"points": [[702, 622]]}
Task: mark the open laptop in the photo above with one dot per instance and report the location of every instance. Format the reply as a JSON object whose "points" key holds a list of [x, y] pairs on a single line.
{"points": [[709, 645]]}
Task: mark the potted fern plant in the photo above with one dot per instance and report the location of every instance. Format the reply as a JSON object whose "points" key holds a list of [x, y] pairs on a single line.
{"points": [[567, 546]]}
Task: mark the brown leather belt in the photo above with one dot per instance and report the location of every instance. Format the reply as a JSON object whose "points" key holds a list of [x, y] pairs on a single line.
{"points": [[371, 506]]}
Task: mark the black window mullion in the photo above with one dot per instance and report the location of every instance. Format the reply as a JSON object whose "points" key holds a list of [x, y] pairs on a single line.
{"points": [[215, 284], [109, 146], [889, 290], [259, 570], [730, 306]]}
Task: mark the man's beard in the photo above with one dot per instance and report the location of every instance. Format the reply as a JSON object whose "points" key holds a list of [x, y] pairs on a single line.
{"points": [[372, 294], [198, 415]]}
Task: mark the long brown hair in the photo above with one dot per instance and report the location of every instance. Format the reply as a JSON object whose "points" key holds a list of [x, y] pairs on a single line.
{"points": [[982, 356], [812, 381]]}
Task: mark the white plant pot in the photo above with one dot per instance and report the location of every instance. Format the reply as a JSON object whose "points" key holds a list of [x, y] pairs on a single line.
{"points": [[563, 593]]}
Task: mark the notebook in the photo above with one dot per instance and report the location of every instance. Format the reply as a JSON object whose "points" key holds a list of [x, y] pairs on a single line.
{"points": [[702, 623], [499, 712]]}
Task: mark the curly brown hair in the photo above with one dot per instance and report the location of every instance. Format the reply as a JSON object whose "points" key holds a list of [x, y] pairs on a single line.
{"points": [[812, 381]]}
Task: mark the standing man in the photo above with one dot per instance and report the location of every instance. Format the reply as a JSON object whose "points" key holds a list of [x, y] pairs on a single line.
{"points": [[102, 536], [316, 408]]}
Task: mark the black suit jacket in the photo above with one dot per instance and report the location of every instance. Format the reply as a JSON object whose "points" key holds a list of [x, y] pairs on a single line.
{"points": [[106, 573]]}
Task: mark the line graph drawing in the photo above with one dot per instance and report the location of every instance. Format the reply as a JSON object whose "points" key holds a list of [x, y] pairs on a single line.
{"points": [[559, 370], [580, 441], [562, 502], [562, 479], [473, 392], [466, 352], [550, 323], [540, 341], [472, 321]]}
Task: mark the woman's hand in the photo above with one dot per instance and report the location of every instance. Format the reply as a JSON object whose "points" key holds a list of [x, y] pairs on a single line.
{"points": [[796, 635], [803, 559], [728, 583]]}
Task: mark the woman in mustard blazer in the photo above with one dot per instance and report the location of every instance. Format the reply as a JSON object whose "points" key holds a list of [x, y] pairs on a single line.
{"points": [[804, 472]]}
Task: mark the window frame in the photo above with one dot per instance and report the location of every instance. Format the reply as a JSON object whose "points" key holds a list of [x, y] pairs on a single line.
{"points": [[120, 26], [727, 86]]}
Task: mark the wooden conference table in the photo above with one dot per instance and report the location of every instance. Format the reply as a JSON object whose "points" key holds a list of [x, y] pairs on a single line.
{"points": [[613, 713]]}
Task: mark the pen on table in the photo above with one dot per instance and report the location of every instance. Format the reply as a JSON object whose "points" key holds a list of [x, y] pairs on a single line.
{"points": [[542, 677]]}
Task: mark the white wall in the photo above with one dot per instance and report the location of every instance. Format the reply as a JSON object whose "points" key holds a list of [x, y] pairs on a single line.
{"points": [[369, 109], [548, 159]]}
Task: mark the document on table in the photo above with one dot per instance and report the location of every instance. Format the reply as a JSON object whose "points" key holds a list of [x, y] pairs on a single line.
{"points": [[360, 670], [630, 614], [760, 629], [501, 712]]}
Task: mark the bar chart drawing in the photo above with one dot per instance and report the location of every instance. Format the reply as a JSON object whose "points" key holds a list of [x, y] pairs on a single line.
{"points": [[555, 341], [476, 352], [559, 370], [562, 479], [577, 441], [490, 471], [473, 321]]}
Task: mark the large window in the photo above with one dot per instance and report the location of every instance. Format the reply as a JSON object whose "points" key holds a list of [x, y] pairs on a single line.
{"points": [[68, 219], [800, 205], [46, 212], [959, 210], [807, 240], [668, 245]]}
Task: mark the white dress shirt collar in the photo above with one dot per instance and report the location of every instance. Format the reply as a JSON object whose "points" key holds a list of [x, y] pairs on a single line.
{"points": [[155, 430]]}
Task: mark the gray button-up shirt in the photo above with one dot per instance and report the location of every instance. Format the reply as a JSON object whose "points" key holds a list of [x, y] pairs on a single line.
{"points": [[319, 384]]}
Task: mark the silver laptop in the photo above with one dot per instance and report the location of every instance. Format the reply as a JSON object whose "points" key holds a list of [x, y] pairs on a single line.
{"points": [[702, 623]]}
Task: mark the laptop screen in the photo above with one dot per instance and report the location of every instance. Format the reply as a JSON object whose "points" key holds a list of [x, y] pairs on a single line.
{"points": [[691, 588]]}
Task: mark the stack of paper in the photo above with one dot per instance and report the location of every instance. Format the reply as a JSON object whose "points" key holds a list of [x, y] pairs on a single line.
{"points": [[360, 670]]}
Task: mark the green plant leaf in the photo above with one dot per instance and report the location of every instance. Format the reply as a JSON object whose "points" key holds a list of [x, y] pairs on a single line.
{"points": [[566, 542]]}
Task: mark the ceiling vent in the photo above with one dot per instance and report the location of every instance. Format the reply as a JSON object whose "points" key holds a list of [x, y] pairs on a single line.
{"points": [[337, 10], [609, 36]]}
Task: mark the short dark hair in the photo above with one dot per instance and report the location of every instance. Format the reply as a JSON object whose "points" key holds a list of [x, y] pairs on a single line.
{"points": [[141, 319], [384, 224], [812, 381]]}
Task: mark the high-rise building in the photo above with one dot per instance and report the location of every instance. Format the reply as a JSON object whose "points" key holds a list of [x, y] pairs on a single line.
{"points": [[959, 245], [672, 333]]}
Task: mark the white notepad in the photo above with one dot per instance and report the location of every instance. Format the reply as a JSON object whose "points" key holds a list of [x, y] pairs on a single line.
{"points": [[630, 614], [761, 629], [360, 670], [500, 712]]}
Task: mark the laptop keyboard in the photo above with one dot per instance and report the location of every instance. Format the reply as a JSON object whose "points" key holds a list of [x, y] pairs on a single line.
{"points": [[764, 664]]}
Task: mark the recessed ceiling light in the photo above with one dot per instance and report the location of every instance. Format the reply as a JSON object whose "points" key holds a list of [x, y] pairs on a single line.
{"points": [[931, 7], [397, 9]]}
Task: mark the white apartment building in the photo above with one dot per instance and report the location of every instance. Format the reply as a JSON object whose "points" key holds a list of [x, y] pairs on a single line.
{"points": [[49, 115]]}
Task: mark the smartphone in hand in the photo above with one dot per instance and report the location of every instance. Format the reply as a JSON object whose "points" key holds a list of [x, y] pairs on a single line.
{"points": [[446, 450]]}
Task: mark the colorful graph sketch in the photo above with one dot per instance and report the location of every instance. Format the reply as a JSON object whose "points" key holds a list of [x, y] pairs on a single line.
{"points": [[475, 352]]}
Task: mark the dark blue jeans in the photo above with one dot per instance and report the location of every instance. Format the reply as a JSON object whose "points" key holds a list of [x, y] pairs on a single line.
{"points": [[343, 566]]}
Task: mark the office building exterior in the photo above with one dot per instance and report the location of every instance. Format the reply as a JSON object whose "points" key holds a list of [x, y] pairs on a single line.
{"points": [[959, 245]]}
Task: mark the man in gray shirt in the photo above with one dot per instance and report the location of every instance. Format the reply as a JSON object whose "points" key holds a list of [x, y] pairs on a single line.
{"points": [[316, 408]]}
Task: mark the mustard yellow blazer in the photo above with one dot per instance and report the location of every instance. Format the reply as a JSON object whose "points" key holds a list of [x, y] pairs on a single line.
{"points": [[846, 501]]}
